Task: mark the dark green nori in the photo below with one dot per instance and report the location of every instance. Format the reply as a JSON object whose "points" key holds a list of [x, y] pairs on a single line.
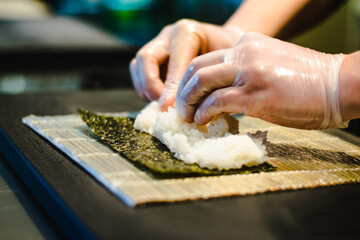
{"points": [[147, 151]]}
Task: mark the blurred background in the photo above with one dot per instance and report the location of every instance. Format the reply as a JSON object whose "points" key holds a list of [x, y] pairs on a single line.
{"points": [[67, 45], [71, 45]]}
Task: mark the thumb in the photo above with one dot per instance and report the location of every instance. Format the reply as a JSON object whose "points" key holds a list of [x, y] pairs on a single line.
{"points": [[178, 63], [167, 98], [184, 47]]}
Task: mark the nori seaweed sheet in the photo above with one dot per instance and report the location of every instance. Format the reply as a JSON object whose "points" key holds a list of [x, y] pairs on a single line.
{"points": [[146, 151]]}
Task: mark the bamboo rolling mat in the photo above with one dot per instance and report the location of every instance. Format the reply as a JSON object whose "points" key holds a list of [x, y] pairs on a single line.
{"points": [[304, 159]]}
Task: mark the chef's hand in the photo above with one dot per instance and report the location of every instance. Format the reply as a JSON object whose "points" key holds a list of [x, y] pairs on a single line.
{"points": [[265, 78], [176, 45]]}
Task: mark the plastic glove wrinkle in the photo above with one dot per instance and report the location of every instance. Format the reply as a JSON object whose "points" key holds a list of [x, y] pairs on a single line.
{"points": [[278, 82]]}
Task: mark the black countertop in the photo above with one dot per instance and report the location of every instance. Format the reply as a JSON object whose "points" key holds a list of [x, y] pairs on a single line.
{"points": [[83, 208]]}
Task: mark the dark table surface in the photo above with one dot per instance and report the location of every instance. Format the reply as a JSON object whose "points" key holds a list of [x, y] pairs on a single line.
{"points": [[83, 208], [21, 217]]}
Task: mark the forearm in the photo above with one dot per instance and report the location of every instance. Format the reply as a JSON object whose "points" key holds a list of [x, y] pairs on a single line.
{"points": [[349, 87], [281, 18]]}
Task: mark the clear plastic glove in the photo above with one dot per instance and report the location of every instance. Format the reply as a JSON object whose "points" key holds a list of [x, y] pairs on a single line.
{"points": [[176, 45], [265, 78]]}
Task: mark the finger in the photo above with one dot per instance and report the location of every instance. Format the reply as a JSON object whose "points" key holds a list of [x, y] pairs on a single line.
{"points": [[205, 81], [148, 61], [228, 100], [199, 62], [135, 79], [184, 47]]}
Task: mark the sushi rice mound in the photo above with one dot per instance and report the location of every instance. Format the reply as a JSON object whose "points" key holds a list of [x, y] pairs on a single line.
{"points": [[210, 146]]}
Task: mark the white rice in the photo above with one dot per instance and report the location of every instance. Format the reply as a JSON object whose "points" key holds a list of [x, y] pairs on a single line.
{"points": [[216, 148]]}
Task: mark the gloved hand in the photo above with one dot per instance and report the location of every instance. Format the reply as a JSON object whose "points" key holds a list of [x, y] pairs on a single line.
{"points": [[265, 78], [179, 43]]}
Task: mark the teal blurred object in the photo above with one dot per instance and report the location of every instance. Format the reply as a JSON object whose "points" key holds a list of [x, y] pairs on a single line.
{"points": [[126, 5], [138, 21], [77, 7]]}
